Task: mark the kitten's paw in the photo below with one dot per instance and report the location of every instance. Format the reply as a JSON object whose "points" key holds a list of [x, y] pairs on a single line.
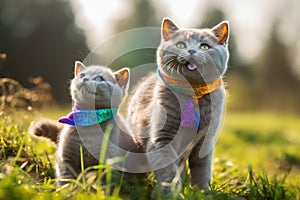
{"points": [[45, 128], [159, 191]]}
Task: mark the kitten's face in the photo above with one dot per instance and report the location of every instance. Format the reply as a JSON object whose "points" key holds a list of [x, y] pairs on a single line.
{"points": [[97, 87], [198, 55]]}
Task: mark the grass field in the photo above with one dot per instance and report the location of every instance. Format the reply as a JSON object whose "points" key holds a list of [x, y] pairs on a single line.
{"points": [[257, 156]]}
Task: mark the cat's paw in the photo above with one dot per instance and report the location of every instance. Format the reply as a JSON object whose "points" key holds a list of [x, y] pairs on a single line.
{"points": [[166, 190]]}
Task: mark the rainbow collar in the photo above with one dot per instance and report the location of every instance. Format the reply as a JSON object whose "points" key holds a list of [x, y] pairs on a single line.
{"points": [[190, 116], [194, 90], [88, 117]]}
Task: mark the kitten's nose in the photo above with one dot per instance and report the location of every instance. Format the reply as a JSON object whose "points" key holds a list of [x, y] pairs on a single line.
{"points": [[85, 79], [191, 51]]}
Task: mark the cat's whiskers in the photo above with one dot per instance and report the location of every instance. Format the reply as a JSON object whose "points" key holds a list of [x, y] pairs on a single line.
{"points": [[173, 65], [170, 66], [177, 68], [182, 66], [167, 63]]}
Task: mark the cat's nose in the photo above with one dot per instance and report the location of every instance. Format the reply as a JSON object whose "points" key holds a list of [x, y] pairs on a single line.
{"points": [[191, 51], [85, 79]]}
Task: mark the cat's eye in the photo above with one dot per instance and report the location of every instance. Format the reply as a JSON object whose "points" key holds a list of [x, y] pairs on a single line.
{"points": [[81, 75], [181, 45], [204, 47], [98, 79]]}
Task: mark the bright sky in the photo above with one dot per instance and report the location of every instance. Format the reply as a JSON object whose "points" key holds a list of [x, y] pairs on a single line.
{"points": [[250, 21]]}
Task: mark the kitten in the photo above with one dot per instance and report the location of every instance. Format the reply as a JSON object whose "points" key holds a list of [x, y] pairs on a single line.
{"points": [[94, 89], [176, 112]]}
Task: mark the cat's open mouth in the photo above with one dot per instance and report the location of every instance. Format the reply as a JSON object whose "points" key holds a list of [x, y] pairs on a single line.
{"points": [[191, 64], [181, 62]]}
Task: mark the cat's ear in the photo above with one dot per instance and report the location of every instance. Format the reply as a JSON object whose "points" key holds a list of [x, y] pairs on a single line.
{"points": [[221, 31], [79, 66], [122, 77], [168, 28]]}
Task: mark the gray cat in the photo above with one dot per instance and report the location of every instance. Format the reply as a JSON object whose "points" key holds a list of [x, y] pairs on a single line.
{"points": [[97, 93], [177, 111]]}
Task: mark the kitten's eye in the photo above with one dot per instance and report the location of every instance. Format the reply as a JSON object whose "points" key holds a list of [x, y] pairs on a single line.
{"points": [[181, 45], [81, 75], [204, 47], [98, 79]]}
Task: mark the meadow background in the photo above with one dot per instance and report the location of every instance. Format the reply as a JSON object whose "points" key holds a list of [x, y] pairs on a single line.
{"points": [[257, 152]]}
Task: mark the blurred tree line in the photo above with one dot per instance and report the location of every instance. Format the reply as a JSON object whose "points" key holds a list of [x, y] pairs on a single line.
{"points": [[40, 38]]}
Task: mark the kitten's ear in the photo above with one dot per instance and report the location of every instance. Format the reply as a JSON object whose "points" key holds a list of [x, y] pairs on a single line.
{"points": [[221, 31], [79, 66], [122, 77], [168, 28]]}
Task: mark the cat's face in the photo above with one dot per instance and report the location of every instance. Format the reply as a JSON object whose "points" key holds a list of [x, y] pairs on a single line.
{"points": [[198, 55], [97, 87]]}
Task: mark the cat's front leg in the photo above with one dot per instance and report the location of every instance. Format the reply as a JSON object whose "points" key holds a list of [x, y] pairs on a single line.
{"points": [[68, 157], [169, 180], [201, 164], [165, 163]]}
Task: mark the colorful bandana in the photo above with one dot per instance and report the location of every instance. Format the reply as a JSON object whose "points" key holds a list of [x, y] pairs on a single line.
{"points": [[88, 117], [195, 90], [190, 118]]}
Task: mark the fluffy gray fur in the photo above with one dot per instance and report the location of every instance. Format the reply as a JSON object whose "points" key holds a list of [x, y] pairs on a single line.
{"points": [[154, 112], [93, 87]]}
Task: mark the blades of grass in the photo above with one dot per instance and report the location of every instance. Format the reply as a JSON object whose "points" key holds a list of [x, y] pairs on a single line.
{"points": [[108, 181], [49, 162], [117, 159], [104, 149], [82, 167], [262, 187], [81, 159], [118, 188], [18, 155], [252, 183], [105, 143], [102, 157]]}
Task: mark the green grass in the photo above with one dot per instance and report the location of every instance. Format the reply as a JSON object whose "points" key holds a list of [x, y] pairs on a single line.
{"points": [[256, 157], [269, 142]]}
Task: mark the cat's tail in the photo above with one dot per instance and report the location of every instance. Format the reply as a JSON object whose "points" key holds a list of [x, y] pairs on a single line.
{"points": [[46, 128]]}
